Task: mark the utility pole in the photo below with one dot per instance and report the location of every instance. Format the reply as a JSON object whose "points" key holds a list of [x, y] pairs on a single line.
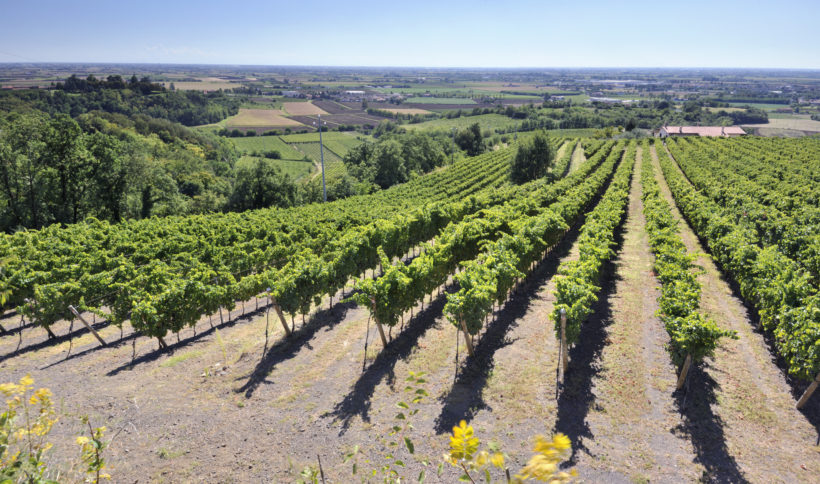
{"points": [[322, 156]]}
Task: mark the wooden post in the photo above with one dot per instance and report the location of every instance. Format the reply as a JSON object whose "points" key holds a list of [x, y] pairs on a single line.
{"points": [[378, 323], [808, 392], [467, 339], [564, 355], [82, 320], [381, 332], [684, 371], [281, 316]]}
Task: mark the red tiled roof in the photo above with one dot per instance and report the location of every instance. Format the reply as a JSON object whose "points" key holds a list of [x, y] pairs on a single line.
{"points": [[705, 130]]}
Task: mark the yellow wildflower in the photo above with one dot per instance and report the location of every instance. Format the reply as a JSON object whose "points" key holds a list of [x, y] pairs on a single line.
{"points": [[498, 460], [463, 443], [8, 388], [561, 442]]}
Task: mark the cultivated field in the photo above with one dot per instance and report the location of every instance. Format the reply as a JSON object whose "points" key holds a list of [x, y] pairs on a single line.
{"points": [[260, 118], [295, 169], [267, 143], [340, 143], [685, 358], [803, 123], [406, 110], [334, 166], [201, 86], [486, 121], [439, 100], [302, 109]]}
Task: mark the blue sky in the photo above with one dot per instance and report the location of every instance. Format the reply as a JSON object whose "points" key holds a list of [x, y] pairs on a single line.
{"points": [[443, 33]]}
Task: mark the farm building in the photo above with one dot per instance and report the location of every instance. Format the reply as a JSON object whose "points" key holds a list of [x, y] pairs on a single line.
{"points": [[714, 131]]}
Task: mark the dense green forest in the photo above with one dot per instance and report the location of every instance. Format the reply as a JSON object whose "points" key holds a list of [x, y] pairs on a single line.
{"points": [[114, 95], [396, 157], [55, 169], [116, 149]]}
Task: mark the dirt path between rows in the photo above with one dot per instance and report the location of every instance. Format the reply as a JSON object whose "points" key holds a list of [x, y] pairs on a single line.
{"points": [[624, 376], [222, 406], [578, 157], [219, 407], [740, 413]]}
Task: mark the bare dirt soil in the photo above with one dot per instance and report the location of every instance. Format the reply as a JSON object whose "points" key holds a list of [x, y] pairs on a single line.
{"points": [[226, 405]]}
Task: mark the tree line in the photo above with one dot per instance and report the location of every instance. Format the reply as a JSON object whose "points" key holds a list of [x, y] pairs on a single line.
{"points": [[113, 95]]}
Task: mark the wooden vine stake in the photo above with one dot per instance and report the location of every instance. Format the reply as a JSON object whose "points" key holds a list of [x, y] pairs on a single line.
{"points": [[378, 323], [467, 339], [684, 372], [808, 392], [564, 355], [82, 320], [279, 313]]}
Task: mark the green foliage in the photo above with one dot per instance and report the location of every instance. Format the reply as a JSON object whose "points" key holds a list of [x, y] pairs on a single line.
{"points": [[62, 171], [190, 108], [163, 274], [399, 439], [575, 287], [779, 288], [261, 184], [471, 140], [690, 332], [91, 453], [533, 159], [394, 158], [25, 426]]}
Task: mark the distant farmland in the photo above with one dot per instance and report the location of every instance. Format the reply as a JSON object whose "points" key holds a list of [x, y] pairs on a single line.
{"points": [[406, 110], [439, 100], [294, 169], [795, 123], [486, 121], [339, 143], [207, 84], [334, 166], [267, 143], [260, 118], [303, 109]]}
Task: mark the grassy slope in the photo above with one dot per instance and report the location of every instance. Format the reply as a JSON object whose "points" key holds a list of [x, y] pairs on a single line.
{"points": [[296, 169], [267, 143]]}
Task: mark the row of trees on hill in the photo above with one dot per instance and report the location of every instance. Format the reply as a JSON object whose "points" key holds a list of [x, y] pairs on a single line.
{"points": [[91, 83], [111, 167], [397, 155], [114, 95]]}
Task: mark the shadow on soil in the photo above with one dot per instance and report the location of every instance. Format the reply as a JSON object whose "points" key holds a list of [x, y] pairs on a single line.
{"points": [[287, 348], [706, 429], [180, 343], [92, 347], [464, 399], [357, 402], [575, 398], [812, 409], [48, 341]]}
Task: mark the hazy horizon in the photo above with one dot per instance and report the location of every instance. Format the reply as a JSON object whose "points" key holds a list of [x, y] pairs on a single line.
{"points": [[432, 68]]}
